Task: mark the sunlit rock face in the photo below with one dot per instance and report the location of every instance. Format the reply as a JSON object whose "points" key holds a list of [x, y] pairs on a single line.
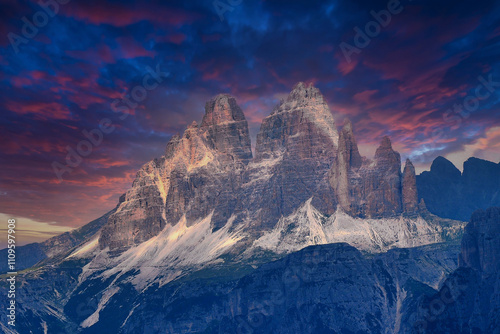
{"points": [[199, 173]]}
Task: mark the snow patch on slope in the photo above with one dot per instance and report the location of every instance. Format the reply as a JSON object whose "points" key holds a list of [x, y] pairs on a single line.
{"points": [[165, 255], [94, 317], [263, 170], [307, 226], [86, 249]]}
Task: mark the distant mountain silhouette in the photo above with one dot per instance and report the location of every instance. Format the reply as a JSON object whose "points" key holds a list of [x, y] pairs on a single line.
{"points": [[451, 194]]}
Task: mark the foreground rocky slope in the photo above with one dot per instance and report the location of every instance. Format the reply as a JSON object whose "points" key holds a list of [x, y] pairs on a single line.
{"points": [[469, 301], [320, 289]]}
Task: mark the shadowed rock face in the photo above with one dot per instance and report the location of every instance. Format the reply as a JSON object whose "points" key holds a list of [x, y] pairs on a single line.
{"points": [[481, 242], [320, 289], [469, 301], [348, 162], [409, 189], [376, 188], [451, 194], [384, 188]]}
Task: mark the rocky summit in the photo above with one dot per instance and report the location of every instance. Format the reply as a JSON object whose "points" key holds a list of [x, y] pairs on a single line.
{"points": [[190, 246]]}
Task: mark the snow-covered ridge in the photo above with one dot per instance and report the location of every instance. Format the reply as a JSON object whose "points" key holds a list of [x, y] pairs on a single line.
{"points": [[307, 226]]}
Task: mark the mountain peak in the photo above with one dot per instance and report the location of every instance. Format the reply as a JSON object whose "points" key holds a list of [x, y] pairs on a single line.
{"points": [[386, 155], [301, 124], [443, 166], [409, 164], [302, 92], [193, 125], [222, 109], [347, 125], [386, 142]]}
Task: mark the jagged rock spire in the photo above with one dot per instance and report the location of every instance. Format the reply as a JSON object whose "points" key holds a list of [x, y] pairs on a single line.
{"points": [[371, 189], [409, 188], [348, 148], [348, 158]]}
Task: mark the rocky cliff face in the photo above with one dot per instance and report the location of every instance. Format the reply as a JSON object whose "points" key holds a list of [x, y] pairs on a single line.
{"points": [[481, 242], [211, 168], [409, 189], [372, 188], [200, 172], [295, 148], [452, 194], [469, 301], [348, 163]]}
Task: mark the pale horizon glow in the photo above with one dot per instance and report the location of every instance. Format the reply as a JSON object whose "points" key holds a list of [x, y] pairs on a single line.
{"points": [[29, 230]]}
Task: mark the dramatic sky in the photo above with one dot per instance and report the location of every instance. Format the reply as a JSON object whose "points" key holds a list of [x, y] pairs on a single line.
{"points": [[416, 81]]}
